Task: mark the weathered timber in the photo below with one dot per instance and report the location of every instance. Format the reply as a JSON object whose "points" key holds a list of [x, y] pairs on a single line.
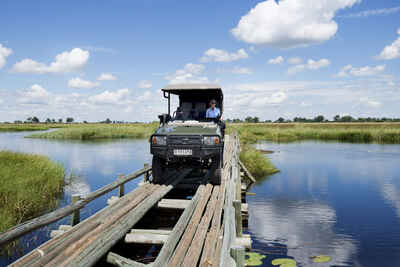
{"points": [[56, 256], [102, 244], [238, 254], [56, 245], [190, 231], [246, 171], [168, 248], [121, 187], [217, 256], [151, 231], [237, 204], [173, 203], [193, 253], [211, 239], [76, 250], [153, 239], [76, 215], [120, 261], [28, 226]]}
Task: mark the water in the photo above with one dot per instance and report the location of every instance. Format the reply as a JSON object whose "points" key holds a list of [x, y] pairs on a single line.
{"points": [[335, 199], [97, 163]]}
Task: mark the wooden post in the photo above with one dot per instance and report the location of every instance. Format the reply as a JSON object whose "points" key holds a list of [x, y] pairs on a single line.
{"points": [[146, 175], [238, 254], [121, 187], [75, 217], [237, 204]]}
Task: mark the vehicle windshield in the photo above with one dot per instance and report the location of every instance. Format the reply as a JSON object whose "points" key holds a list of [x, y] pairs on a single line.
{"points": [[192, 111]]}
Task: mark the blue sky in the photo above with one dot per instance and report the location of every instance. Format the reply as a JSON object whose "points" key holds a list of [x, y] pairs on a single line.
{"points": [[97, 59]]}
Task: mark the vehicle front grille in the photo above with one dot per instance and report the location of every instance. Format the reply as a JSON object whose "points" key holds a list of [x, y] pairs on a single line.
{"points": [[184, 140]]}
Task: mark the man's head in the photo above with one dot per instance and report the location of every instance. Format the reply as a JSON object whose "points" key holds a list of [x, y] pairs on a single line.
{"points": [[213, 103]]}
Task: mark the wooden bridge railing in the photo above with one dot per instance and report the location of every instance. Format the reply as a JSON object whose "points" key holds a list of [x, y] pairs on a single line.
{"points": [[28, 226]]}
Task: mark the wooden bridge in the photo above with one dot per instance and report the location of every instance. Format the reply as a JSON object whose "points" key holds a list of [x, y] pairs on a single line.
{"points": [[184, 222]]}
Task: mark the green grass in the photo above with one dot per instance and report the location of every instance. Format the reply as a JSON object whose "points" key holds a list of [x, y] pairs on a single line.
{"points": [[384, 133], [22, 127], [29, 185], [256, 162], [100, 131]]}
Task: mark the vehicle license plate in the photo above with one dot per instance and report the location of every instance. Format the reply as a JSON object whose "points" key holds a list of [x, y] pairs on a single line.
{"points": [[183, 152]]}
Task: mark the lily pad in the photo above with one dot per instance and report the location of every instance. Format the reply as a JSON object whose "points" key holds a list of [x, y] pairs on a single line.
{"points": [[254, 259], [321, 258], [284, 262]]}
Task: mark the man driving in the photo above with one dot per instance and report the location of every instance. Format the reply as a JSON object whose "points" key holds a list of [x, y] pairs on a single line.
{"points": [[213, 112]]}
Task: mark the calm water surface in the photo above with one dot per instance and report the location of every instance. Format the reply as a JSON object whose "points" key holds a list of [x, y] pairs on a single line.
{"points": [[336, 199], [341, 200]]}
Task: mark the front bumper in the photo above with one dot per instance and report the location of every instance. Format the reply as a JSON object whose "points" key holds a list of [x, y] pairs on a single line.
{"points": [[198, 152]]}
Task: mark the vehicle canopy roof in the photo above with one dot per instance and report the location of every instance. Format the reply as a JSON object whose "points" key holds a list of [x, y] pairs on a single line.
{"points": [[195, 92]]}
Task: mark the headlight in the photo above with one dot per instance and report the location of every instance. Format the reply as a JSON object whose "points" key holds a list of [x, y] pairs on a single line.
{"points": [[211, 140], [159, 140]]}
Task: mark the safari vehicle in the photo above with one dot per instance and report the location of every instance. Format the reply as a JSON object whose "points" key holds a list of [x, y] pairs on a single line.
{"points": [[186, 138]]}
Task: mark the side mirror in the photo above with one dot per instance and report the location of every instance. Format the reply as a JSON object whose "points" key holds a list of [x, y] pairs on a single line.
{"points": [[164, 118]]}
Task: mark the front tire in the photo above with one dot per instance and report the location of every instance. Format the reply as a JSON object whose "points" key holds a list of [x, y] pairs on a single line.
{"points": [[216, 165], [159, 170]]}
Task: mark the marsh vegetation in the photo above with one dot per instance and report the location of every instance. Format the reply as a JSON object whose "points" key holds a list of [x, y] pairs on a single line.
{"points": [[29, 185]]}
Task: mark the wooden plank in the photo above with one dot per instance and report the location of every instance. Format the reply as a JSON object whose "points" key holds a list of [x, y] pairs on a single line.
{"points": [[168, 248], [120, 261], [237, 253], [187, 237], [211, 239], [83, 236], [238, 217], [28, 226], [145, 238], [102, 243], [248, 174], [56, 245], [193, 254], [151, 231], [173, 203]]}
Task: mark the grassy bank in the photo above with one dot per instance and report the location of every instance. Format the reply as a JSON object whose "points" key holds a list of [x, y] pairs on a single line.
{"points": [[29, 185], [256, 162], [384, 133], [22, 127], [100, 131]]}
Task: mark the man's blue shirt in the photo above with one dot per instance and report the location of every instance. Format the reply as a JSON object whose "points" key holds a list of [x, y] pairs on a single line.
{"points": [[212, 113]]}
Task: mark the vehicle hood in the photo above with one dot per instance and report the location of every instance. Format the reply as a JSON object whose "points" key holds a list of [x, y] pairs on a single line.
{"points": [[188, 130]]}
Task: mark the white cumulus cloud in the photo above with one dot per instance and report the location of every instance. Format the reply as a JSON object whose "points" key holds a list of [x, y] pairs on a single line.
{"points": [[362, 71], [35, 95], [391, 51], [219, 55], [290, 23], [65, 62], [106, 77], [4, 53], [191, 73], [277, 60], [79, 83], [310, 65], [145, 84], [109, 97]]}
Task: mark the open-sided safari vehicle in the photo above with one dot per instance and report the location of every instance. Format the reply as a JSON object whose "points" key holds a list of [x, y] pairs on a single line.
{"points": [[186, 138]]}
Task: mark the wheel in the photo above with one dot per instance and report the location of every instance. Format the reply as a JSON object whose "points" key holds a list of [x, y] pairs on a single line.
{"points": [[158, 170], [216, 166]]}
